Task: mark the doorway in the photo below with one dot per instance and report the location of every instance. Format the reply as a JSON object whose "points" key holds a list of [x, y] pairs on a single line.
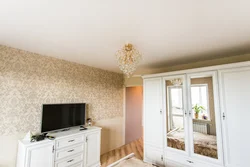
{"points": [[133, 113]]}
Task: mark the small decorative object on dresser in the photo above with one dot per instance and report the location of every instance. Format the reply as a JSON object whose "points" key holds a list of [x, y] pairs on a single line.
{"points": [[28, 136], [38, 137], [89, 122]]}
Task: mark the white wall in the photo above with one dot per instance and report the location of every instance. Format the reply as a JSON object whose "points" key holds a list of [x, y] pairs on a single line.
{"points": [[133, 81], [8, 149], [112, 133]]}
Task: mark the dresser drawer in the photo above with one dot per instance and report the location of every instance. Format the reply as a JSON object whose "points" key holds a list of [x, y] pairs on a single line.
{"points": [[74, 160], [69, 141], [69, 151], [78, 165]]}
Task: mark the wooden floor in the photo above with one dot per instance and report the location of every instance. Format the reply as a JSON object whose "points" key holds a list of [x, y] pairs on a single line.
{"points": [[114, 155]]}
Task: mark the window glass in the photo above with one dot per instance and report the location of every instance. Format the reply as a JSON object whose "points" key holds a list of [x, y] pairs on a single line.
{"points": [[199, 95], [176, 100]]}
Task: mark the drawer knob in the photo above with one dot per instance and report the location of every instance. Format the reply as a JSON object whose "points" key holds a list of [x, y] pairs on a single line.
{"points": [[71, 150], [70, 160], [71, 140]]}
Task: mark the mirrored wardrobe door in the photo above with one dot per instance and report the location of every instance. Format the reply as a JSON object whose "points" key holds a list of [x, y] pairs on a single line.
{"points": [[175, 112], [202, 114]]}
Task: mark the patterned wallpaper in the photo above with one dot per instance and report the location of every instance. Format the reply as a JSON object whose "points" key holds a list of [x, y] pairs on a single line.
{"points": [[28, 80]]}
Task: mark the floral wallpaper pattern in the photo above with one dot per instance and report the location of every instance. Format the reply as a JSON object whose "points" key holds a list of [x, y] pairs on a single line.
{"points": [[28, 80]]}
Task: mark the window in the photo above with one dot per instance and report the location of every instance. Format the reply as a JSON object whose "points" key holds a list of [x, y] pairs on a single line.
{"points": [[175, 107], [199, 95]]}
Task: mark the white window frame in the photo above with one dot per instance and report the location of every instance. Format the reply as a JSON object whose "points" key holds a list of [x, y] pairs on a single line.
{"points": [[170, 116]]}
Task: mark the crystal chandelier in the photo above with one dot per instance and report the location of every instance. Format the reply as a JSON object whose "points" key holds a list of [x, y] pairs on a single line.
{"points": [[128, 57], [176, 81]]}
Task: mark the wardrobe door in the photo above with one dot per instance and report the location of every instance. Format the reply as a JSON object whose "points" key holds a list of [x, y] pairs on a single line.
{"points": [[153, 129], [235, 98], [204, 117], [176, 116], [153, 156]]}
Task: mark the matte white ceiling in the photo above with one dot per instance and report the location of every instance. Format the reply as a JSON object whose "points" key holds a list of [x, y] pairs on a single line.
{"points": [[166, 32]]}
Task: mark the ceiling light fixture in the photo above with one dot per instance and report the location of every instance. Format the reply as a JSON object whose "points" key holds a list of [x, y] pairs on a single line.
{"points": [[128, 58]]}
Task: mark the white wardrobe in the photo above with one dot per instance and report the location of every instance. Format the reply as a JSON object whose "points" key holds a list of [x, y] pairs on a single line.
{"points": [[198, 117]]}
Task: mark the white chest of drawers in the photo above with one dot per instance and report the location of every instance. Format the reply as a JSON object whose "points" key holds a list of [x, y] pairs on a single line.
{"points": [[73, 148]]}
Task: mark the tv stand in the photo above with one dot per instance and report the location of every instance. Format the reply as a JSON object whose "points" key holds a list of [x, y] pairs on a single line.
{"points": [[69, 148]]}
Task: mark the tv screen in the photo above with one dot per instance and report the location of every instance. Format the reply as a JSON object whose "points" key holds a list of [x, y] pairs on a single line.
{"points": [[62, 116]]}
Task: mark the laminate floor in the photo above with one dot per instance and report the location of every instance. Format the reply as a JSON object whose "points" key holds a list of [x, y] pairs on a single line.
{"points": [[114, 155]]}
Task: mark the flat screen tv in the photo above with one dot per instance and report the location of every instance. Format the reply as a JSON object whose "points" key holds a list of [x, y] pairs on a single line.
{"points": [[62, 116]]}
